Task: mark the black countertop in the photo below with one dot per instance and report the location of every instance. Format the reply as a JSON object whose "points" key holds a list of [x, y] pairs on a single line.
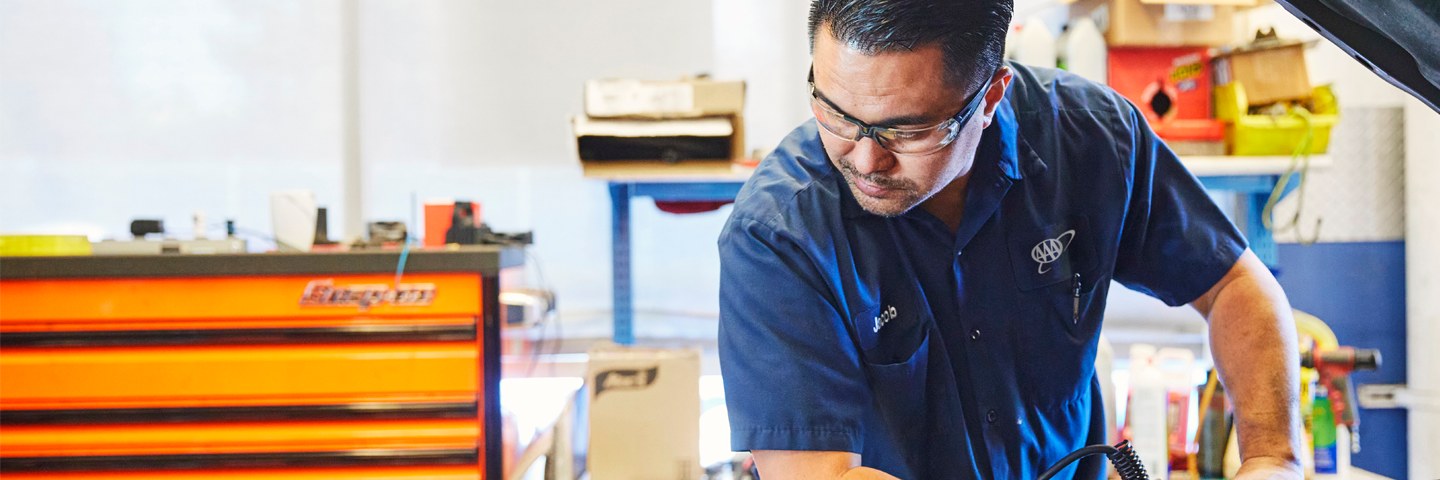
{"points": [[486, 260]]}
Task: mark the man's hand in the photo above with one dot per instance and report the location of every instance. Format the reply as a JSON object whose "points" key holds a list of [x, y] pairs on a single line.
{"points": [[1269, 468], [804, 465]]}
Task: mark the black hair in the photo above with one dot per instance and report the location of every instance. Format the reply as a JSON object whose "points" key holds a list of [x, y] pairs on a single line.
{"points": [[970, 33]]}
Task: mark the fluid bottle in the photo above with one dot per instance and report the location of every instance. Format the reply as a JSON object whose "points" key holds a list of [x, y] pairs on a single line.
{"points": [[1085, 52], [1037, 45], [1147, 411]]}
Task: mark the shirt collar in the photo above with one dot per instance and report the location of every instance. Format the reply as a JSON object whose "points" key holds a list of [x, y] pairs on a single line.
{"points": [[1005, 130]]}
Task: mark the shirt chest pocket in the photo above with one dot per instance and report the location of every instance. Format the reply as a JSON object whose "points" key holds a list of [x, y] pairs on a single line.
{"points": [[890, 332], [1052, 253], [1061, 293], [895, 350]]}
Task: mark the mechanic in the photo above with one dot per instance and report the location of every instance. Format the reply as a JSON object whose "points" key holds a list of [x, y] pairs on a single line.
{"points": [[863, 337]]}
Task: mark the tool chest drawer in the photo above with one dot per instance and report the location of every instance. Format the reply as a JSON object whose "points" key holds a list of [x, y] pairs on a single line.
{"points": [[217, 375], [334, 374]]}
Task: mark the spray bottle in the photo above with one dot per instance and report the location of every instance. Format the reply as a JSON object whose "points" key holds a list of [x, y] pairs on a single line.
{"points": [[1177, 366], [1332, 442]]}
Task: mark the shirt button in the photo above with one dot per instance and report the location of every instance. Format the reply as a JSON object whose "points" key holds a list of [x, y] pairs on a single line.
{"points": [[975, 334], [991, 416]]}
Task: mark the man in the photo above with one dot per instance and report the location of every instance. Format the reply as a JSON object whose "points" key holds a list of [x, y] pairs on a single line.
{"points": [[912, 292]]}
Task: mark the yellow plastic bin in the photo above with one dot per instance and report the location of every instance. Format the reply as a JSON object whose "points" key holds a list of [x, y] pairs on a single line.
{"points": [[1247, 134], [43, 245]]}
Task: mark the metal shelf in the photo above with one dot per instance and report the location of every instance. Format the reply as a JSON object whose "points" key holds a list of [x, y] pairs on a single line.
{"points": [[1225, 166], [1252, 178]]}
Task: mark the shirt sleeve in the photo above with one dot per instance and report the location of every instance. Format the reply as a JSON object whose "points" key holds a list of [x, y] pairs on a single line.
{"points": [[1176, 242], [793, 378]]}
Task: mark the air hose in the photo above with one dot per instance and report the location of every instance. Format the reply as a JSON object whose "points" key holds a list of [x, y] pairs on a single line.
{"points": [[1122, 456]]}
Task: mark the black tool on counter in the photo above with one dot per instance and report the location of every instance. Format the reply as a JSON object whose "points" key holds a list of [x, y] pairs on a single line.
{"points": [[464, 231], [322, 227], [486, 236], [141, 227], [383, 233], [462, 224]]}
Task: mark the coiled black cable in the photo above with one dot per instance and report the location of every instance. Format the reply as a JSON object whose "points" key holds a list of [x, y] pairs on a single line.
{"points": [[1122, 456], [1127, 462]]}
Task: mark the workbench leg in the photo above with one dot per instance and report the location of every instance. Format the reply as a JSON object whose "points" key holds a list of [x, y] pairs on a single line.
{"points": [[624, 302]]}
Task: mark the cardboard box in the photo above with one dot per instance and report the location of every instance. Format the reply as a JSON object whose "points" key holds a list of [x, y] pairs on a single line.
{"points": [[644, 414], [695, 170], [676, 128], [1153, 23], [1270, 74], [688, 98], [680, 146]]}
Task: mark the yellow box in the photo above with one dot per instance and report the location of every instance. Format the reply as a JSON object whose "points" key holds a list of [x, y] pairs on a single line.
{"points": [[43, 245], [1247, 134]]}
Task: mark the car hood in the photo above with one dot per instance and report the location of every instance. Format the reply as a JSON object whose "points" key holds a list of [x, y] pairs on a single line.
{"points": [[1399, 40]]}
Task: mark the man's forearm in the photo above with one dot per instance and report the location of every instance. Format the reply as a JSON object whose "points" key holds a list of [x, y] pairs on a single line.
{"points": [[1252, 336]]}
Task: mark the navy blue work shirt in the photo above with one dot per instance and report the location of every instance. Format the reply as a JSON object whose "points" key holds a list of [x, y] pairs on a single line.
{"points": [[958, 354]]}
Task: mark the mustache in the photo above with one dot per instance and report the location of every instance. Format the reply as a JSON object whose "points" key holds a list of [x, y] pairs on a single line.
{"points": [[876, 180]]}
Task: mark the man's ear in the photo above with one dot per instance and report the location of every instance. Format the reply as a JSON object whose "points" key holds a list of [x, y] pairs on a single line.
{"points": [[999, 84]]}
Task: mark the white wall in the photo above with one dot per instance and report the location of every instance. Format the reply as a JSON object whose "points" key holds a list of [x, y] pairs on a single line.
{"points": [[116, 110], [113, 110], [1422, 262], [492, 83], [472, 100], [765, 43]]}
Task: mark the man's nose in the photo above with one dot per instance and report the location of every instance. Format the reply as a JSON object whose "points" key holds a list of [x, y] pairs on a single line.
{"points": [[869, 157]]}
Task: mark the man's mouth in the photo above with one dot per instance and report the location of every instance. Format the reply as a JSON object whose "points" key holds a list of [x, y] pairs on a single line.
{"points": [[872, 190]]}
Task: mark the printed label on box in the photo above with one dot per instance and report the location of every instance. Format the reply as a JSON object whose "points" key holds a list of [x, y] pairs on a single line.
{"points": [[634, 97], [624, 379], [1189, 13]]}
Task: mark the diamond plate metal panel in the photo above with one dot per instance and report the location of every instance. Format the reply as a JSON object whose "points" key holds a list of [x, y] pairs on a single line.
{"points": [[1360, 197]]}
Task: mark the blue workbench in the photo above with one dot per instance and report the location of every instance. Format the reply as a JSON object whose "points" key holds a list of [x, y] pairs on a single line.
{"points": [[1250, 178]]}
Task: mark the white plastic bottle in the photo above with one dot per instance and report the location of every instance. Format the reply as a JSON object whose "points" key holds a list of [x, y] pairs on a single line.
{"points": [[1085, 51], [1104, 369], [1146, 412], [1037, 44]]}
